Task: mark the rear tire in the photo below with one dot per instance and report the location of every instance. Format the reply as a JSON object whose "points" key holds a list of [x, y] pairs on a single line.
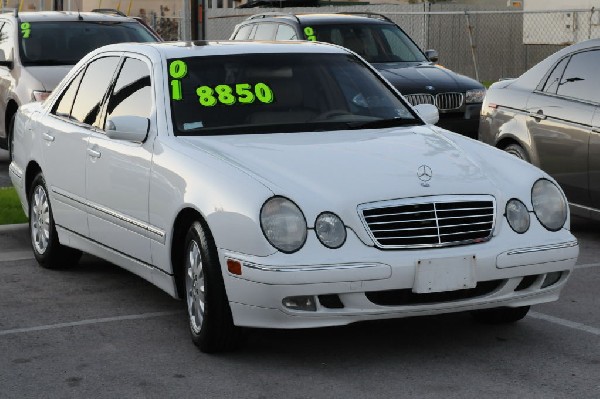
{"points": [[48, 251], [209, 315], [517, 151], [500, 315]]}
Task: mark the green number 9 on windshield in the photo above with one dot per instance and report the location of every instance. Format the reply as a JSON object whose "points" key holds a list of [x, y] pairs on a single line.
{"points": [[25, 29]]}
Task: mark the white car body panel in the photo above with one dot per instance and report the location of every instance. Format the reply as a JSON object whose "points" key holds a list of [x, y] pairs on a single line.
{"points": [[227, 179]]}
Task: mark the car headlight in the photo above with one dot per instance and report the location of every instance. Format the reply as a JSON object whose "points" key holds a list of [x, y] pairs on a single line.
{"points": [[549, 204], [283, 224], [330, 230], [475, 96], [517, 216]]}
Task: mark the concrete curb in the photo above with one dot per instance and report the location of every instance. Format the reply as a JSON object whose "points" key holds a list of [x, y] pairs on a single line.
{"points": [[9, 228]]}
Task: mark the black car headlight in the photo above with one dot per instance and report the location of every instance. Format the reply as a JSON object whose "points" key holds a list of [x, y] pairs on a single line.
{"points": [[549, 204], [475, 96], [283, 224]]}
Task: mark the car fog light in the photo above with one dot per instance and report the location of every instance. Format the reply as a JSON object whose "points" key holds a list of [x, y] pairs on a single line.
{"points": [[330, 230], [306, 303], [517, 216], [551, 279]]}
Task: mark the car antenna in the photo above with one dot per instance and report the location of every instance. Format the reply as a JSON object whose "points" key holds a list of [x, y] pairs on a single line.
{"points": [[79, 17]]}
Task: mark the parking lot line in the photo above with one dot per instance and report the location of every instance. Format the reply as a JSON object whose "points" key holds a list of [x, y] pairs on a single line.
{"points": [[12, 256], [587, 265], [87, 322], [565, 323]]}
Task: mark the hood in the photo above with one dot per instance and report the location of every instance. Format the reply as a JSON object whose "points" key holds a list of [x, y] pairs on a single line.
{"points": [[49, 76], [410, 79], [342, 169]]}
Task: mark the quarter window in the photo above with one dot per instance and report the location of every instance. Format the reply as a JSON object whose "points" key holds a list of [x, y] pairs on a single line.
{"points": [[243, 33], [286, 32], [580, 79], [65, 103], [92, 90], [132, 94], [554, 79]]}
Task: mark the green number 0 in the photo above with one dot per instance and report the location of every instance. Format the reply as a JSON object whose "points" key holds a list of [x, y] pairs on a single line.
{"points": [[25, 29], [177, 69], [310, 34], [263, 93]]}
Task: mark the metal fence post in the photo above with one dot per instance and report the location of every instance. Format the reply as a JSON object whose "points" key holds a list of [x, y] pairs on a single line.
{"points": [[470, 30]]}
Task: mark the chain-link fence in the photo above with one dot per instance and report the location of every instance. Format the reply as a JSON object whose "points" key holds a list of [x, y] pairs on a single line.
{"points": [[169, 27], [486, 45]]}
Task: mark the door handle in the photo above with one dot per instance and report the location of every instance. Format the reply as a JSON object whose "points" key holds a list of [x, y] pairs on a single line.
{"points": [[48, 137], [539, 116], [94, 153]]}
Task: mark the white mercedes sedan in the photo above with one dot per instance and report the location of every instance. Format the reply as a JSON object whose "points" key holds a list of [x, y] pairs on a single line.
{"points": [[282, 185]]}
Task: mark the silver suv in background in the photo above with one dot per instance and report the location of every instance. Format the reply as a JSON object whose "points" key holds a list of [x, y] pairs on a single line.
{"points": [[37, 49]]}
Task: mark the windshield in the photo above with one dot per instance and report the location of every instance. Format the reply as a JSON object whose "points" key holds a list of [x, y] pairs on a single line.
{"points": [[262, 93], [65, 43], [374, 42]]}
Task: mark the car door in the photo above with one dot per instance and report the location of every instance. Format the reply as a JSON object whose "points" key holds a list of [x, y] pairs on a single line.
{"points": [[118, 171], [560, 118], [65, 132], [6, 79], [594, 160]]}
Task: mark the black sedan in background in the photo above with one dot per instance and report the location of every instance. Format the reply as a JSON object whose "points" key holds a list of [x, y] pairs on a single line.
{"points": [[550, 116], [389, 49]]}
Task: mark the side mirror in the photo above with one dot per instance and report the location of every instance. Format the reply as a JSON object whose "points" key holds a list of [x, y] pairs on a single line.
{"points": [[432, 55], [129, 128], [428, 112]]}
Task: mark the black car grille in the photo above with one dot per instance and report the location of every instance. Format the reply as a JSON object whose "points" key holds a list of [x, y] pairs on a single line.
{"points": [[444, 101], [430, 222]]}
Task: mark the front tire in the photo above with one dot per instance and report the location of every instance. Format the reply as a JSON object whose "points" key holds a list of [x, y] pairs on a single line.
{"points": [[517, 151], [209, 315], [48, 251], [500, 315]]}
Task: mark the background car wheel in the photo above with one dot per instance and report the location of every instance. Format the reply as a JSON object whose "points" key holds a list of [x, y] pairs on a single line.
{"points": [[517, 151], [210, 320], [500, 315], [47, 249]]}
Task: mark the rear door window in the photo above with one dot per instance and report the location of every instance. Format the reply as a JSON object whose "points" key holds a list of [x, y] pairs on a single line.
{"points": [[265, 32], [286, 32], [553, 80]]}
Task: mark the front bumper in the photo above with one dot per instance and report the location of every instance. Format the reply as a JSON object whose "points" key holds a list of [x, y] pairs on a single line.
{"points": [[371, 284]]}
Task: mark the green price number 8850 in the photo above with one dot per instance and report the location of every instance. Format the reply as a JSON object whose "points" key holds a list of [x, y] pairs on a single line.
{"points": [[244, 94]]}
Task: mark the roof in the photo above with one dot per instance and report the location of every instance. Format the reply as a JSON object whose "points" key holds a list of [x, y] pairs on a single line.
{"points": [[326, 18], [208, 48], [38, 16]]}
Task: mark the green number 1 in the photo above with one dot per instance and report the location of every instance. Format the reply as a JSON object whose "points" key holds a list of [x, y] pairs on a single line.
{"points": [[176, 90]]}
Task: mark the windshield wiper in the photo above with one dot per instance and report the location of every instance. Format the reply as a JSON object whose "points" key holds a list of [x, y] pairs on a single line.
{"points": [[383, 123]]}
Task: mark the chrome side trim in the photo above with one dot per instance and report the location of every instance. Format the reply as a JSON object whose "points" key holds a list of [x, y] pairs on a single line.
{"points": [[321, 268], [119, 219], [543, 248]]}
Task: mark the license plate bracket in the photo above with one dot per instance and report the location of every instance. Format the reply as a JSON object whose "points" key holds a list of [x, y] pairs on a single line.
{"points": [[445, 274]]}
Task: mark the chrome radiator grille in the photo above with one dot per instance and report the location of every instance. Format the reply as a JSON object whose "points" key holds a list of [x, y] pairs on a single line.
{"points": [[430, 221], [444, 101]]}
